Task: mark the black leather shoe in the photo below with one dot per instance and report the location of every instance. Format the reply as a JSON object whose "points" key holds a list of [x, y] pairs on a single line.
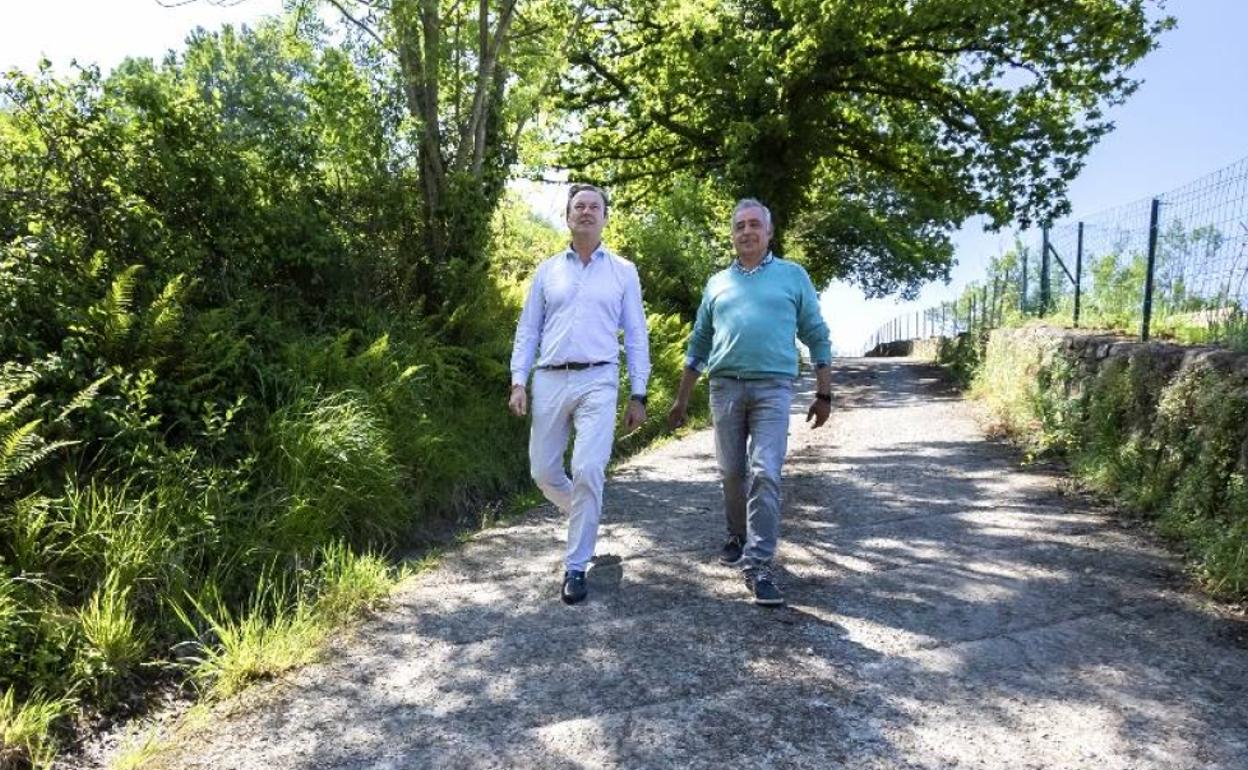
{"points": [[574, 588], [731, 553]]}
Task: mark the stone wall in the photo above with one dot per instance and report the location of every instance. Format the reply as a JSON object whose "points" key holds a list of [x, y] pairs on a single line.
{"points": [[925, 348], [1161, 427]]}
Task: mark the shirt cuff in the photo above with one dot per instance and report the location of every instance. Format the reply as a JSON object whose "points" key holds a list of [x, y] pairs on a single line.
{"points": [[695, 363], [520, 378]]}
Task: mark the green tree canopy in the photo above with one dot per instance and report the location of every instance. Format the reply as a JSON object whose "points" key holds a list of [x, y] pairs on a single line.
{"points": [[871, 128], [472, 77]]}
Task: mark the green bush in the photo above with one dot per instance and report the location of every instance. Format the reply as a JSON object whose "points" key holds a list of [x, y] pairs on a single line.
{"points": [[332, 460], [213, 359], [226, 381], [1166, 441]]}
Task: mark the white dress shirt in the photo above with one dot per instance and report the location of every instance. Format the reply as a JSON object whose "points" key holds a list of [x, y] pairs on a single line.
{"points": [[574, 312]]}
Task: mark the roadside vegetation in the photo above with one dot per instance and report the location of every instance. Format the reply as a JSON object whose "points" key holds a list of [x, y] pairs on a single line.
{"points": [[1160, 429], [220, 406], [1166, 439]]}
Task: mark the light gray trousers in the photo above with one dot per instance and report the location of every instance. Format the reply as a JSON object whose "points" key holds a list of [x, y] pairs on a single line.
{"points": [[583, 400], [751, 420]]}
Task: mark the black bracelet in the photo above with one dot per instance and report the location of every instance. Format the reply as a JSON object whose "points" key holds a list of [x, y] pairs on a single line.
{"points": [[638, 397], [824, 397]]}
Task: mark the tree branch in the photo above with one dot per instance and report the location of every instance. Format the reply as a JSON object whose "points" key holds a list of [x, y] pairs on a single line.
{"points": [[663, 119], [361, 25]]}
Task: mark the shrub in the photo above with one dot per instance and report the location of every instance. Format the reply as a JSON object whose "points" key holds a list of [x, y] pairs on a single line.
{"points": [[1167, 441]]}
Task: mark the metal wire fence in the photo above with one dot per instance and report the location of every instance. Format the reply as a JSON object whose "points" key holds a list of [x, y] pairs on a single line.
{"points": [[982, 306], [1173, 265]]}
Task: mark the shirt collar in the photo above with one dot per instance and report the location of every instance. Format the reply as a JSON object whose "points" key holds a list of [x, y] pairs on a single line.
{"points": [[768, 258], [599, 252]]}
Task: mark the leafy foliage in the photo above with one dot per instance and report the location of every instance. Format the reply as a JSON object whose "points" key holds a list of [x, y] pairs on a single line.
{"points": [[223, 379], [678, 239], [214, 362], [871, 128], [471, 77], [1163, 437]]}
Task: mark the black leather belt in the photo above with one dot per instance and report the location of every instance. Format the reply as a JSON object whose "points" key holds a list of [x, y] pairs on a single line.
{"points": [[574, 365]]}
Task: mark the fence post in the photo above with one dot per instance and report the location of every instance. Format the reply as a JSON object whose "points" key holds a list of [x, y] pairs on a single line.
{"points": [[996, 301], [1022, 295], [1152, 262], [1044, 272], [1078, 272]]}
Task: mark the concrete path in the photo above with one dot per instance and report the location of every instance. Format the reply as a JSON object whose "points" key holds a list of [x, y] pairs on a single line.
{"points": [[946, 610]]}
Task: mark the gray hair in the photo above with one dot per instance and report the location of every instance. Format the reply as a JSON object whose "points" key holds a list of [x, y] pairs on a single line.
{"points": [[751, 203]]}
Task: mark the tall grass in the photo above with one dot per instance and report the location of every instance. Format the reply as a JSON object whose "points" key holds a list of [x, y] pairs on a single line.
{"points": [[286, 620], [253, 541], [113, 643], [273, 634], [25, 730], [332, 457]]}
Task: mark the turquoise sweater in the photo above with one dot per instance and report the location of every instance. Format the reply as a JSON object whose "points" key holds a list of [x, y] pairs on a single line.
{"points": [[746, 324]]}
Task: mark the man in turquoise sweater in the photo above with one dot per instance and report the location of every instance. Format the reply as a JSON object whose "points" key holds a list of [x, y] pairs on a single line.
{"points": [[743, 338]]}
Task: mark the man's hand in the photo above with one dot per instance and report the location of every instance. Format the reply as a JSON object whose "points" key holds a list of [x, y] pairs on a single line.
{"points": [[677, 415], [634, 415], [518, 401], [819, 410]]}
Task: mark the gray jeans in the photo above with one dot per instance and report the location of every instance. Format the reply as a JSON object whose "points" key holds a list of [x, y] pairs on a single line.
{"points": [[751, 436]]}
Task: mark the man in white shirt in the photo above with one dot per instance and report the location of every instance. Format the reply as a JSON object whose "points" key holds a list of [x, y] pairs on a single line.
{"points": [[579, 301]]}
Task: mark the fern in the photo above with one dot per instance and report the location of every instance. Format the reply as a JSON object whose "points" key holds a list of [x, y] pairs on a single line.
{"points": [[12, 383], [21, 447], [115, 310], [164, 317], [10, 411], [83, 399]]}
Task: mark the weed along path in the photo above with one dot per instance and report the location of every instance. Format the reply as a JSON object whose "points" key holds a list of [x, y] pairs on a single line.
{"points": [[947, 609]]}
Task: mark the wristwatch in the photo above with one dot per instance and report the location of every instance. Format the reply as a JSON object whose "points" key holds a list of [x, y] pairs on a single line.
{"points": [[638, 397], [824, 397]]}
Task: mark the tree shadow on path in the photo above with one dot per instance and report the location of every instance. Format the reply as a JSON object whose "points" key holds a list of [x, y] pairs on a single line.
{"points": [[946, 609]]}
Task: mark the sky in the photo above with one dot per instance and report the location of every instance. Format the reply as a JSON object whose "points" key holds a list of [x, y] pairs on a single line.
{"points": [[1188, 118]]}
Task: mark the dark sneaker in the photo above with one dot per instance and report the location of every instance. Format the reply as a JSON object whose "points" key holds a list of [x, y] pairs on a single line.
{"points": [[763, 585], [731, 553], [574, 588]]}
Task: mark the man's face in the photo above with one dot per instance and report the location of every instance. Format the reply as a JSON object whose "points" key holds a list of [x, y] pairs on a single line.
{"points": [[586, 216], [750, 233]]}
